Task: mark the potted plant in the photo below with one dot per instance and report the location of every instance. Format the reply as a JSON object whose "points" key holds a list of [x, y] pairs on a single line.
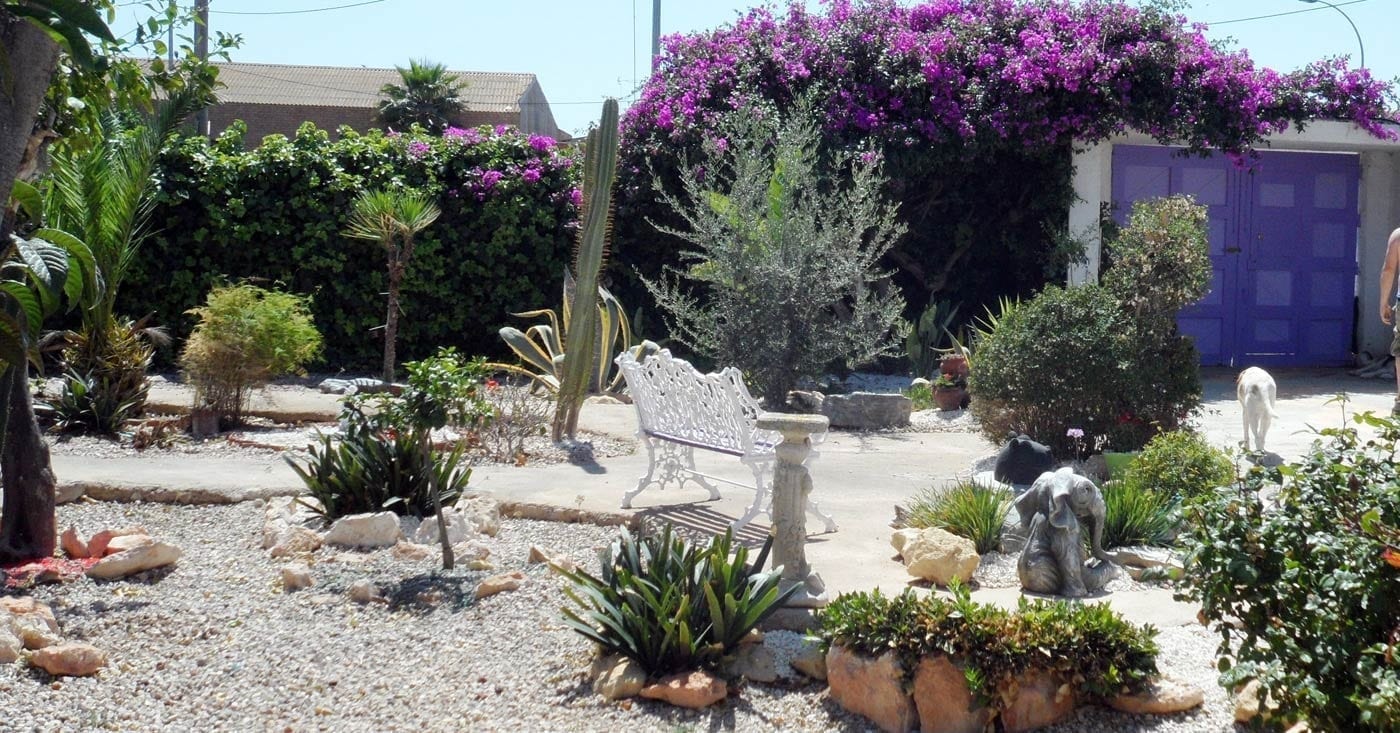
{"points": [[949, 391], [955, 365]]}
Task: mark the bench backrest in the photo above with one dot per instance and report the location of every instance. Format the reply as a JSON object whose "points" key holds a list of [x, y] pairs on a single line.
{"points": [[675, 400]]}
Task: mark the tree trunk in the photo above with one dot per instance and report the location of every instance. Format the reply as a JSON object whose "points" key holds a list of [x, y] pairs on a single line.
{"points": [[27, 528], [391, 322]]}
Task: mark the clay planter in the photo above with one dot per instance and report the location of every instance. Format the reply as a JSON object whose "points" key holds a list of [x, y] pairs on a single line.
{"points": [[954, 365], [949, 398]]}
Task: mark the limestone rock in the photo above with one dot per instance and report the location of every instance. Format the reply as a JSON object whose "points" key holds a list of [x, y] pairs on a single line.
{"points": [[1249, 705], [71, 659], [411, 551], [694, 690], [616, 677], [754, 636], [380, 529], [135, 560], [10, 647], [810, 660], [1136, 560], [809, 403], [944, 701], [1162, 696], [26, 607], [603, 399], [1039, 699], [919, 382], [97, 545], [73, 546], [68, 491], [901, 537], [32, 632], [296, 577], [295, 541], [872, 688], [457, 528], [127, 542], [1022, 460], [867, 410], [753, 662], [939, 556], [499, 584], [363, 591], [471, 550], [282, 513], [480, 512]]}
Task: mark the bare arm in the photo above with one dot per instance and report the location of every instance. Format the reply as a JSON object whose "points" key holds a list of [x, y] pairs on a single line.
{"points": [[1388, 270]]}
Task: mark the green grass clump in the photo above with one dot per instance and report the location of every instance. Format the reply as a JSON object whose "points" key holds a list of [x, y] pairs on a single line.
{"points": [[1136, 515], [964, 509]]}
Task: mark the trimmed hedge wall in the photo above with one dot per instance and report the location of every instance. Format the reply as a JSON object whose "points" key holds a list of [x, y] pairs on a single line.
{"points": [[275, 213]]}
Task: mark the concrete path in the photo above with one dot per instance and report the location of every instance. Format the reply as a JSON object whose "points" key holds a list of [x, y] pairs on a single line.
{"points": [[859, 478]]}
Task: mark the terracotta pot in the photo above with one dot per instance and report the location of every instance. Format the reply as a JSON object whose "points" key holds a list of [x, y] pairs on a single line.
{"points": [[954, 365], [949, 398]]}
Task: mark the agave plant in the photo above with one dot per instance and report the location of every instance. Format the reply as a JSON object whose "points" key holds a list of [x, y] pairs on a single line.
{"points": [[541, 346]]}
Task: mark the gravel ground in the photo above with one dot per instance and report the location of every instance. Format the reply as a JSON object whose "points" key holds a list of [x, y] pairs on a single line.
{"points": [[214, 644]]}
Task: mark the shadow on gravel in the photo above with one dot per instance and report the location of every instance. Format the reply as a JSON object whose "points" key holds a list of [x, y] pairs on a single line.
{"points": [[423, 594]]}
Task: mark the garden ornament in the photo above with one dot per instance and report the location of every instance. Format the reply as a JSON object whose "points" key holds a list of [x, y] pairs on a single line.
{"points": [[1055, 509], [1022, 460]]}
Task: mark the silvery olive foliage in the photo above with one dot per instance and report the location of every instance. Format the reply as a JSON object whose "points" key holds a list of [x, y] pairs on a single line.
{"points": [[781, 278]]}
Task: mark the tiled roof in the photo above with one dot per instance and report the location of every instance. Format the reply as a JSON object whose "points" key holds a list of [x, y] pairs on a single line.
{"points": [[333, 86]]}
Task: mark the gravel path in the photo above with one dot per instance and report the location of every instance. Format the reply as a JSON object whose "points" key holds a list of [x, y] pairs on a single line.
{"points": [[216, 645]]}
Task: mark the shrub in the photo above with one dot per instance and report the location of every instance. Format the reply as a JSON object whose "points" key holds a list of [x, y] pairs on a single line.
{"points": [[371, 469], [83, 404], [965, 509], [921, 395], [671, 605], [1181, 465], [1161, 260], [517, 416], [1088, 643], [780, 277], [277, 213], [1135, 515], [1074, 358], [1306, 597], [245, 336]]}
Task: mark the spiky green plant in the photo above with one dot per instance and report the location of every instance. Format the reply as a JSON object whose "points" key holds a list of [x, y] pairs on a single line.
{"points": [[595, 216], [921, 344], [1135, 514], [964, 509], [393, 219]]}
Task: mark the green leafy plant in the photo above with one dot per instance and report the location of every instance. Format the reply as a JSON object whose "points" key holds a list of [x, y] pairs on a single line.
{"points": [[921, 395], [964, 509], [86, 407], [1306, 595], [371, 469], [1090, 645], [672, 605], [246, 336], [923, 343], [541, 346], [1180, 465], [1135, 515], [782, 277], [394, 219]]}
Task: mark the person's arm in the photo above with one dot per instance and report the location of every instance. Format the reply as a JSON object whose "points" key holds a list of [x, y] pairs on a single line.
{"points": [[1392, 263]]}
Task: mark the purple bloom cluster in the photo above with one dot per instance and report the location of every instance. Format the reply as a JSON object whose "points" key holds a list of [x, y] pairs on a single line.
{"points": [[970, 72]]}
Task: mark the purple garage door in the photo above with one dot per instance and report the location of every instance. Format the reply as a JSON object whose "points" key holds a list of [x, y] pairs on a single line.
{"points": [[1282, 245]]}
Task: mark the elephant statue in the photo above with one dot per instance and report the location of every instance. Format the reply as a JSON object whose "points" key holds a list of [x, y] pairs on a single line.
{"points": [[1055, 509]]}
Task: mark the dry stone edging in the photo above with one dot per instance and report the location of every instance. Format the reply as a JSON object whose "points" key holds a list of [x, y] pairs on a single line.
{"points": [[154, 494]]}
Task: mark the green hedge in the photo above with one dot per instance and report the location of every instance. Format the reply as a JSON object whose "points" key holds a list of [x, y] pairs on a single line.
{"points": [[275, 213]]}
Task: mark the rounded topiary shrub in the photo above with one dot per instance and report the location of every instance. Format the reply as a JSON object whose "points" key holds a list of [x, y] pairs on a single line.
{"points": [[1073, 358], [1182, 464]]}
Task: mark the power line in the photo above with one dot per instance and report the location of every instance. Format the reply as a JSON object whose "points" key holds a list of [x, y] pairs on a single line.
{"points": [[1287, 12], [296, 12]]}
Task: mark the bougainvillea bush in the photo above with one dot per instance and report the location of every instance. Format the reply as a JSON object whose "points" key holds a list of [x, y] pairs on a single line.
{"points": [[976, 105], [275, 213]]}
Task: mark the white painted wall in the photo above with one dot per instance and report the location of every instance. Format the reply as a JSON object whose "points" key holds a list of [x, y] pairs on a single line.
{"points": [[1379, 202]]}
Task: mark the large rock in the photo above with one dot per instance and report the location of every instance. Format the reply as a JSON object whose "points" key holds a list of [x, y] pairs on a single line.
{"points": [[127, 542], [135, 560], [1251, 704], [752, 662], [380, 529], [283, 513], [73, 545], [10, 647], [295, 540], [809, 659], [31, 631], [616, 677], [873, 688], [71, 659], [694, 690], [26, 607], [1038, 699], [938, 556], [1022, 460], [1161, 696], [458, 528], [483, 513], [944, 701], [97, 546], [867, 410], [901, 537]]}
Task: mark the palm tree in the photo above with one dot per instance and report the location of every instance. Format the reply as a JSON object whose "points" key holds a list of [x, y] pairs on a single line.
{"points": [[392, 218], [428, 96]]}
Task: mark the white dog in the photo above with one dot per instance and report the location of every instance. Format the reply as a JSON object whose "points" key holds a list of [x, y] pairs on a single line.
{"points": [[1256, 391]]}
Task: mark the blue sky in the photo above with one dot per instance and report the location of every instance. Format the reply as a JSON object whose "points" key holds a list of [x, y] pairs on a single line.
{"points": [[585, 50]]}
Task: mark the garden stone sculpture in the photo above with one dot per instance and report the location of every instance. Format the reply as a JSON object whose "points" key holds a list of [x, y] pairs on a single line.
{"points": [[1022, 460], [1055, 509]]}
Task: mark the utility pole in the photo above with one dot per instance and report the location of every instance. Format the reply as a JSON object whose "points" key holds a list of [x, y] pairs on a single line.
{"points": [[170, 37], [655, 32], [201, 49]]}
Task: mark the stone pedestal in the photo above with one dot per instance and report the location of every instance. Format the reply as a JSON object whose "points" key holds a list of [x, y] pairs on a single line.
{"points": [[791, 486]]}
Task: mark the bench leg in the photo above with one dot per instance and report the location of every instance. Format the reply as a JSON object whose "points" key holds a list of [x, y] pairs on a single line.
{"points": [[761, 501], [690, 466], [676, 463], [646, 478], [827, 521]]}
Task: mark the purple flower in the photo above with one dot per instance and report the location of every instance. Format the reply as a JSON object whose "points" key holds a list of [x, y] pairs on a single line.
{"points": [[489, 179], [501, 130], [1075, 433], [542, 143], [418, 149], [576, 197], [530, 175], [469, 136]]}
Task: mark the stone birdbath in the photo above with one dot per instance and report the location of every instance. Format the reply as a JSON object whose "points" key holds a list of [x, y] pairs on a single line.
{"points": [[791, 485]]}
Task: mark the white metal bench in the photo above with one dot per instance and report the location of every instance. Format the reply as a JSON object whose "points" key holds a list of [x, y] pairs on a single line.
{"points": [[679, 409]]}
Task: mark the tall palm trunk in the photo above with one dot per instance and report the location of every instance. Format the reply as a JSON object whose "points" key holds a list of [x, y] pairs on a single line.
{"points": [[27, 528], [391, 319]]}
